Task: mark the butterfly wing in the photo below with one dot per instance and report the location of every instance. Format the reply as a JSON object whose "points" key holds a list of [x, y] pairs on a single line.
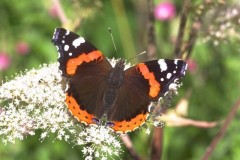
{"points": [[143, 83], [85, 68]]}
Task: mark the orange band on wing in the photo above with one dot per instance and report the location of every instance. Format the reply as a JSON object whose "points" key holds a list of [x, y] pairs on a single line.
{"points": [[81, 115], [73, 63], [128, 126], [154, 85]]}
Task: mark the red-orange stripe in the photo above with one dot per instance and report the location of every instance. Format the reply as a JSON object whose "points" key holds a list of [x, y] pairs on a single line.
{"points": [[154, 85], [128, 126], [73, 63], [81, 115]]}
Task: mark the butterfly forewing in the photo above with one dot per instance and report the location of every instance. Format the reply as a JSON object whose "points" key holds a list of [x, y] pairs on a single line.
{"points": [[165, 72], [74, 52]]}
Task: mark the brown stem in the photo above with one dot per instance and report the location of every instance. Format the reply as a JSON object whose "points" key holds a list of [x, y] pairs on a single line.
{"points": [[181, 29], [196, 26], [151, 49], [156, 150], [192, 39], [128, 143], [222, 131], [157, 143]]}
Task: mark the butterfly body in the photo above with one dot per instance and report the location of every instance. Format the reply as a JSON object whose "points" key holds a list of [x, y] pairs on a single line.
{"points": [[114, 82], [97, 90]]}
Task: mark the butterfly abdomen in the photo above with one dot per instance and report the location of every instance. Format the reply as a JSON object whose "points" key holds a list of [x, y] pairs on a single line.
{"points": [[114, 80]]}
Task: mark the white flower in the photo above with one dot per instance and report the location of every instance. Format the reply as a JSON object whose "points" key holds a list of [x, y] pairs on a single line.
{"points": [[147, 131], [36, 100]]}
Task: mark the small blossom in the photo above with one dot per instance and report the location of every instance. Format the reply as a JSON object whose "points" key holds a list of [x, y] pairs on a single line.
{"points": [[164, 11], [147, 131], [158, 123], [22, 48], [4, 61]]}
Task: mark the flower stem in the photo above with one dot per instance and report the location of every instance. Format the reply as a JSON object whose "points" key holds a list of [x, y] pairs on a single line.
{"points": [[222, 131]]}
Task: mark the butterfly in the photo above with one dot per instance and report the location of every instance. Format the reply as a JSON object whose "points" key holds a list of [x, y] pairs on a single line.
{"points": [[98, 91]]}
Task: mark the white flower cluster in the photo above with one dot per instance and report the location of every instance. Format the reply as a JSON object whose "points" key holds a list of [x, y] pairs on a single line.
{"points": [[32, 101], [221, 24], [36, 100], [105, 144]]}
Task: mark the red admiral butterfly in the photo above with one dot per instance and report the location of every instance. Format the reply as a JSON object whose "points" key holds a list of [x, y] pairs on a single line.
{"points": [[99, 91]]}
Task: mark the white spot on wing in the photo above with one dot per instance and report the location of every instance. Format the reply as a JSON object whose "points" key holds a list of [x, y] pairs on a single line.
{"points": [[78, 41], [185, 69], [162, 79], [66, 47], [163, 64], [169, 75], [173, 86], [70, 54], [67, 33], [63, 41], [67, 87], [59, 55], [176, 61]]}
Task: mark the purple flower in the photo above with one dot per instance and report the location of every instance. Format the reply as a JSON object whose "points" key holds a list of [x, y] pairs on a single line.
{"points": [[164, 11], [4, 61]]}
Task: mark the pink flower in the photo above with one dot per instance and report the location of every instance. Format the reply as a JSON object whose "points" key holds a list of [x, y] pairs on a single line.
{"points": [[53, 11], [4, 61], [22, 48], [164, 11]]}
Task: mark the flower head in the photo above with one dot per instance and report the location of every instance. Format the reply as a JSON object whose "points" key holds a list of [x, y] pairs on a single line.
{"points": [[36, 100], [221, 23], [164, 11]]}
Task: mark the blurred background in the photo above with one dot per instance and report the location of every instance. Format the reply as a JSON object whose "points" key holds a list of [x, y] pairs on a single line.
{"points": [[210, 88]]}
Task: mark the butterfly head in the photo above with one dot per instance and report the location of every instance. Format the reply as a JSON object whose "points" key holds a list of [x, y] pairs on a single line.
{"points": [[120, 64]]}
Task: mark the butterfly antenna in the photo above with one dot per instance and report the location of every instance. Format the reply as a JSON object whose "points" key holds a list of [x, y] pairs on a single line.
{"points": [[137, 55], [110, 31]]}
